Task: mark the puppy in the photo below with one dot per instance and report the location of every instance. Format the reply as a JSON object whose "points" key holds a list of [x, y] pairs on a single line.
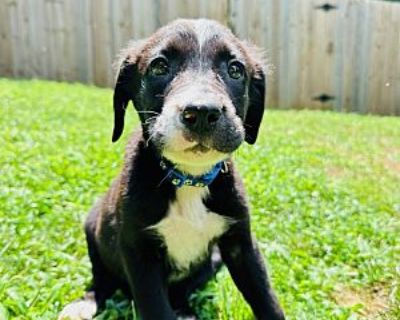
{"points": [[178, 205]]}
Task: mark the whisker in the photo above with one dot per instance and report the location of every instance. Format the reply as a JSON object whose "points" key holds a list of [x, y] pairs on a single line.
{"points": [[166, 176], [150, 137], [163, 179], [148, 111]]}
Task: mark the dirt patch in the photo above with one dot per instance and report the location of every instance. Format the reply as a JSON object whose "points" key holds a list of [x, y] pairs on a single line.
{"points": [[392, 160], [335, 172], [373, 301], [392, 166]]}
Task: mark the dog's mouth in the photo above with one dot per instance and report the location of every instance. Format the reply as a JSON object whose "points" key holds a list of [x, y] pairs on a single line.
{"points": [[198, 148], [196, 144]]}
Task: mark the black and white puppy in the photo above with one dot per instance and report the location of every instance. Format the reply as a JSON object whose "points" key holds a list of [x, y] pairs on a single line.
{"points": [[178, 202]]}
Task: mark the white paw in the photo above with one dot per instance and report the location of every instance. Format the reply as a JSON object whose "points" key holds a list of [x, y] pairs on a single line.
{"points": [[79, 310]]}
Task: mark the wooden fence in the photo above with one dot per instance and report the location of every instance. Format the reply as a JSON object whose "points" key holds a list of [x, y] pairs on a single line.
{"points": [[335, 54]]}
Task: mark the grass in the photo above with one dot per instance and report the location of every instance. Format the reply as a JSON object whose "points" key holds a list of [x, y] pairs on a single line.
{"points": [[324, 189]]}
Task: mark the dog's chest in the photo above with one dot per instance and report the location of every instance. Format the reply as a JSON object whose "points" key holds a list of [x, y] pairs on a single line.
{"points": [[189, 227]]}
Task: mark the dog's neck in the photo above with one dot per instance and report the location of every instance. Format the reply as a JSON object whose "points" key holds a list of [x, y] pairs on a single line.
{"points": [[194, 170], [181, 178]]}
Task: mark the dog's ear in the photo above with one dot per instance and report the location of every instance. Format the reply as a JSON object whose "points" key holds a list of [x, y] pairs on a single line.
{"points": [[126, 88], [255, 110], [257, 89]]}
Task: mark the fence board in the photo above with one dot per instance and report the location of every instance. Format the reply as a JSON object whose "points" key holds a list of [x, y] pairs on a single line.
{"points": [[82, 44], [269, 39], [350, 53], [49, 35], [102, 73], [54, 16], [322, 49], [382, 68], [146, 17], [395, 83], [6, 49]]}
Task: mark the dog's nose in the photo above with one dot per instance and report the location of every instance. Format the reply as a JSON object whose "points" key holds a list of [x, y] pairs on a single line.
{"points": [[200, 117]]}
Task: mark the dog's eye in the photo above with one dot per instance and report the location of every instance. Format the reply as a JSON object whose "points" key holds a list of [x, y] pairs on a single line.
{"points": [[159, 67], [235, 70]]}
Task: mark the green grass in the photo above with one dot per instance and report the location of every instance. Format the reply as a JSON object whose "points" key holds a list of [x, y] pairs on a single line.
{"points": [[324, 190]]}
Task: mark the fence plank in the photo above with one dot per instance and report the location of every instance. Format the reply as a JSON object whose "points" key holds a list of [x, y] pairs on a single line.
{"points": [[102, 73], [322, 49], [49, 35], [382, 69], [82, 43], [395, 83], [270, 40], [6, 50], [145, 17]]}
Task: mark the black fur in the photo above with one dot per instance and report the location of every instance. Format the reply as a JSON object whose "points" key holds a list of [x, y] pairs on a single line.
{"points": [[125, 255], [255, 111]]}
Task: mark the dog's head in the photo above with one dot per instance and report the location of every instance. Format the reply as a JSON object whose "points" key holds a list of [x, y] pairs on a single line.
{"points": [[198, 89]]}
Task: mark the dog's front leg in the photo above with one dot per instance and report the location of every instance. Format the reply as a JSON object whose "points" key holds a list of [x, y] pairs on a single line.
{"points": [[240, 253], [146, 277]]}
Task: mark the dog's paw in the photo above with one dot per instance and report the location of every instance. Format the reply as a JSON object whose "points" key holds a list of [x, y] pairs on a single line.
{"points": [[79, 310]]}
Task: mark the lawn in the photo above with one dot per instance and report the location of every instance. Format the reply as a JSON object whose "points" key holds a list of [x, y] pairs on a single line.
{"points": [[324, 190]]}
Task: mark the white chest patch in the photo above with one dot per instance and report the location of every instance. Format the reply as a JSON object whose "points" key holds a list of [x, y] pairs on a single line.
{"points": [[189, 227]]}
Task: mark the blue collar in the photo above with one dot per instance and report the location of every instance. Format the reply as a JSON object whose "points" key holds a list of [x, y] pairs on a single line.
{"points": [[179, 179]]}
